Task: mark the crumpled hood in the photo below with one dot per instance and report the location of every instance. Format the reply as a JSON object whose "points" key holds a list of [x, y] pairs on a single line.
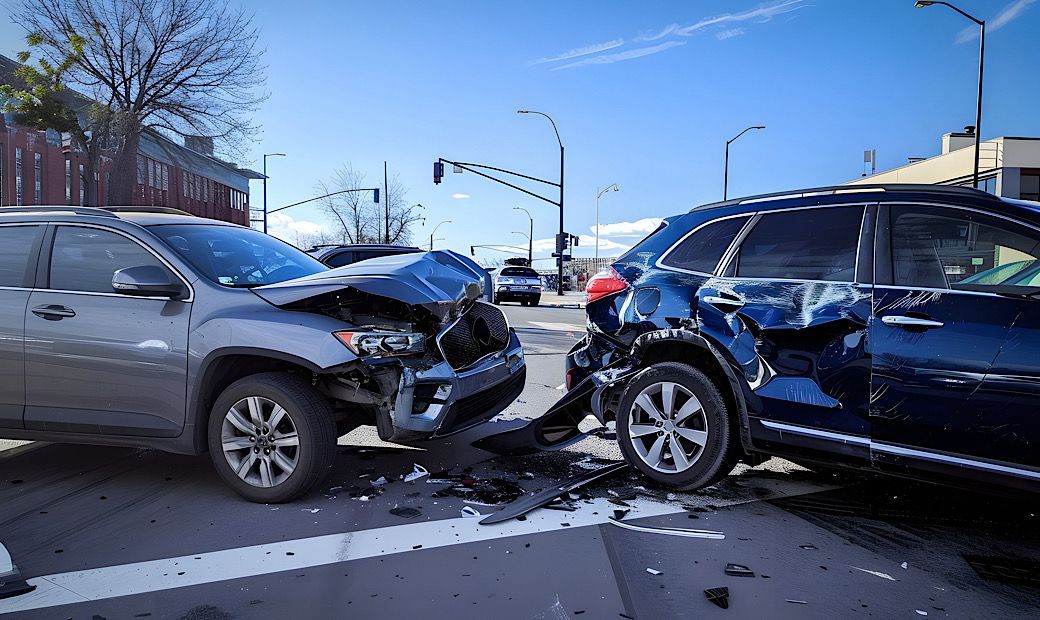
{"points": [[436, 280]]}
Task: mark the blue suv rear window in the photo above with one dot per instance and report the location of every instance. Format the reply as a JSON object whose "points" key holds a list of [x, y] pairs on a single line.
{"points": [[702, 250]]}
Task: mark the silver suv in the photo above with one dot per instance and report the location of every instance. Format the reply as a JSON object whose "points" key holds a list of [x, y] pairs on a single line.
{"points": [[150, 327]]}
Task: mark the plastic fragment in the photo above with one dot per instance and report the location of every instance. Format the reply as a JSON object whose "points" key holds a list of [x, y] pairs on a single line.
{"points": [[921, 612], [470, 511], [311, 510], [719, 596], [418, 471], [796, 601], [380, 481], [653, 571], [739, 570], [903, 565]]}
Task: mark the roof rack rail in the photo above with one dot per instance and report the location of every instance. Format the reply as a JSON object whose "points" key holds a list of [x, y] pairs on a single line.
{"points": [[28, 209], [145, 209], [851, 189]]}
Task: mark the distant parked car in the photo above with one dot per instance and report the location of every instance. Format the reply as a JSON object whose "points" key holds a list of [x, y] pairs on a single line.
{"points": [[348, 254], [520, 284], [894, 328]]}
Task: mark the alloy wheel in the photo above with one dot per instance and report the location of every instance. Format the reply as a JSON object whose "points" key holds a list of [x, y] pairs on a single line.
{"points": [[668, 427], [260, 441]]}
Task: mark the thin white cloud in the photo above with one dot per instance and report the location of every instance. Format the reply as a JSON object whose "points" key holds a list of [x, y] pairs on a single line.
{"points": [[586, 243], [577, 52], [729, 33], [667, 30], [296, 232], [638, 228], [460, 196], [763, 13], [1005, 17], [608, 59]]}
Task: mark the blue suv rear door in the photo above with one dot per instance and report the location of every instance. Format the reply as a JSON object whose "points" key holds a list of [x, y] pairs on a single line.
{"points": [[956, 371], [791, 308]]}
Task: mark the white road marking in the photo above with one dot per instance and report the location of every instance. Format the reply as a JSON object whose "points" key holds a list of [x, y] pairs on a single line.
{"points": [[197, 569], [559, 327]]}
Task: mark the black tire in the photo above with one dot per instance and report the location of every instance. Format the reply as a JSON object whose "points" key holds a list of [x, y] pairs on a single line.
{"points": [[306, 410], [719, 453], [534, 302], [494, 299]]}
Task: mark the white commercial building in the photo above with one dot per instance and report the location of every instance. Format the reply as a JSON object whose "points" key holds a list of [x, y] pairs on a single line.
{"points": [[1008, 167]]}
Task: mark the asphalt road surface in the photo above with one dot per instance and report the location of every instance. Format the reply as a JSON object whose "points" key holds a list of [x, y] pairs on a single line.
{"points": [[122, 533]]}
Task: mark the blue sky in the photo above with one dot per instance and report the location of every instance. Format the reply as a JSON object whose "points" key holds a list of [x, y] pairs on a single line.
{"points": [[645, 95]]}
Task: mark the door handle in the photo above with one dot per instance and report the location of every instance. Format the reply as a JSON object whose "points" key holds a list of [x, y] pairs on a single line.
{"points": [[723, 301], [53, 312], [911, 322]]}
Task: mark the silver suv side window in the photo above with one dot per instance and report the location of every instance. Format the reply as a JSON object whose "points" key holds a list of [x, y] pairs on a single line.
{"points": [[84, 259], [934, 247], [803, 244], [16, 242]]}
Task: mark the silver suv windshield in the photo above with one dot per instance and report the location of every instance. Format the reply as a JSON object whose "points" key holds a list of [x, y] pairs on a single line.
{"points": [[237, 257]]}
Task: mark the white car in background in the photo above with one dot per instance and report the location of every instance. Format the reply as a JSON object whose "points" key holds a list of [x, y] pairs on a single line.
{"points": [[512, 283]]}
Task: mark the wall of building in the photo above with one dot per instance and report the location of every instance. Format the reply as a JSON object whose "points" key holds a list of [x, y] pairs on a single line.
{"points": [[169, 175]]}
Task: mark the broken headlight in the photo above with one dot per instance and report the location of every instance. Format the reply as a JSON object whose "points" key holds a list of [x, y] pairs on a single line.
{"points": [[381, 343]]}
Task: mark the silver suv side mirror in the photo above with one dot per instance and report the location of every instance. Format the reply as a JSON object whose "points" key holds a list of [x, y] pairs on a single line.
{"points": [[147, 280]]}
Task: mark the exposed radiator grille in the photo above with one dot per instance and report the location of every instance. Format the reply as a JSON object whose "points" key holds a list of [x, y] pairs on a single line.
{"points": [[480, 331]]}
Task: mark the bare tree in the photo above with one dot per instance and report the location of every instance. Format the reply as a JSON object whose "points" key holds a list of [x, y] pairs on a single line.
{"points": [[354, 213], [357, 219], [181, 67], [402, 215]]}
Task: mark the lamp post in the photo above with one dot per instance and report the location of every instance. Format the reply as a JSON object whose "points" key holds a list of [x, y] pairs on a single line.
{"points": [[725, 177], [978, 99], [530, 236], [435, 232], [529, 244], [559, 260], [598, 195], [266, 155]]}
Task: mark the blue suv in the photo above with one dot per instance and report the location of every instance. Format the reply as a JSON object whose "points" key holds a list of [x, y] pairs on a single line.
{"points": [[889, 327]]}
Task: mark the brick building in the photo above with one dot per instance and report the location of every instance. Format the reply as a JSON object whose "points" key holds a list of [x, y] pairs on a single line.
{"points": [[38, 167]]}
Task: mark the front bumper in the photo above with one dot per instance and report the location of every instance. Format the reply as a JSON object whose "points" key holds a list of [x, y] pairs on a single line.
{"points": [[439, 401]]}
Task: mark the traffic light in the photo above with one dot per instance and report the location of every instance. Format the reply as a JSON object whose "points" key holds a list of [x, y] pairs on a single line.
{"points": [[438, 172], [375, 195], [561, 242]]}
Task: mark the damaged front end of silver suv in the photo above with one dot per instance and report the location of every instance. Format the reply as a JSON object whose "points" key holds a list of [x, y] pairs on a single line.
{"points": [[432, 358]]}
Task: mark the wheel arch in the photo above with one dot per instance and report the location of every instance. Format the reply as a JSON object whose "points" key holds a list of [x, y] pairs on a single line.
{"points": [[687, 347], [223, 367]]}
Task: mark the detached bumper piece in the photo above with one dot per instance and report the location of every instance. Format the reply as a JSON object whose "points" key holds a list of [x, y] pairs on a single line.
{"points": [[11, 582]]}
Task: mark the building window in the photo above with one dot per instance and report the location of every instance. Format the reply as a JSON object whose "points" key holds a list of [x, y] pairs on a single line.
{"points": [[68, 181], [1030, 188], [988, 185], [151, 173], [165, 177], [18, 177], [140, 170], [82, 186], [38, 171]]}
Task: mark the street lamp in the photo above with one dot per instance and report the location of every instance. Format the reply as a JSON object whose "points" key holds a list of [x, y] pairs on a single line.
{"points": [[266, 155], [598, 195], [978, 99], [559, 260], [530, 237], [725, 177], [435, 232]]}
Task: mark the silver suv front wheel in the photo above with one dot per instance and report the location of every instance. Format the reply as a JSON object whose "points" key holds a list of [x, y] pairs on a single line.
{"points": [[271, 437]]}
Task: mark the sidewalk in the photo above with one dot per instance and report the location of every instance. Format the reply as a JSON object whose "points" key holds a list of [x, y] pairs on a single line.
{"points": [[569, 299]]}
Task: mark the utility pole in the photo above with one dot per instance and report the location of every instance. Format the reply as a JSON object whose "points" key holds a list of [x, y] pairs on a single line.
{"points": [[266, 155], [559, 269], [386, 193]]}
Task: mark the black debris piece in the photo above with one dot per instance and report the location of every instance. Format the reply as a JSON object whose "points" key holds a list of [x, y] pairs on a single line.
{"points": [[620, 514], [530, 502], [619, 502], [406, 512], [483, 491], [719, 596], [739, 570], [561, 505]]}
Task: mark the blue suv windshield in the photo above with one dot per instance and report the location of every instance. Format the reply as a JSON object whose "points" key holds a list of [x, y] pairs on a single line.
{"points": [[237, 257]]}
